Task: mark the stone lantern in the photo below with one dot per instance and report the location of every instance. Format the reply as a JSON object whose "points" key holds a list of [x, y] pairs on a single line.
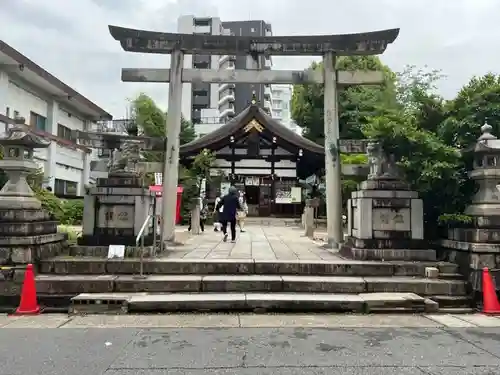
{"points": [[27, 232], [476, 244], [17, 163], [486, 173]]}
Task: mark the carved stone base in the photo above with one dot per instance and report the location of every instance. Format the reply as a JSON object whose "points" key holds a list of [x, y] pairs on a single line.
{"points": [[471, 259], [30, 249], [389, 243], [120, 180], [110, 239], [114, 212], [474, 235], [385, 215], [388, 254], [27, 236], [383, 184]]}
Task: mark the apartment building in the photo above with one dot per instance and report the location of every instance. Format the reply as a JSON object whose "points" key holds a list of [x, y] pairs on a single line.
{"points": [[210, 105], [200, 96], [243, 92], [282, 106], [52, 109]]}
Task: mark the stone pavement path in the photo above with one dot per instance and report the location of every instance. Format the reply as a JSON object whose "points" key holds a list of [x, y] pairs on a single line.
{"points": [[257, 242], [465, 321]]}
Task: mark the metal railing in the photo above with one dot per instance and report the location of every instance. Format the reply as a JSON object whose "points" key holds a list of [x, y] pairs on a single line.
{"points": [[140, 237]]}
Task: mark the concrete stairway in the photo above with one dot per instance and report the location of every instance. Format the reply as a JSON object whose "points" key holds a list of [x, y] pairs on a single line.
{"points": [[95, 284]]}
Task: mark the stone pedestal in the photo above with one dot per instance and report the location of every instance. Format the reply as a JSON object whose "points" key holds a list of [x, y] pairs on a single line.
{"points": [[309, 218], [385, 220], [195, 216], [27, 232], [115, 210], [476, 245]]}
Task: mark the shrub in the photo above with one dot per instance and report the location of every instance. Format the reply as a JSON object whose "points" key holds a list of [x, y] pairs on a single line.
{"points": [[72, 212], [71, 233], [50, 203]]}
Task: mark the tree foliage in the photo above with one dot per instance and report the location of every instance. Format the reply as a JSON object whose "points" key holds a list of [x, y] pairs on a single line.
{"points": [[356, 103], [476, 103], [151, 121], [424, 132]]}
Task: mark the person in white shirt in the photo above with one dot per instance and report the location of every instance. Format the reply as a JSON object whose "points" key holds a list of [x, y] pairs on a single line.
{"points": [[242, 214], [217, 214]]}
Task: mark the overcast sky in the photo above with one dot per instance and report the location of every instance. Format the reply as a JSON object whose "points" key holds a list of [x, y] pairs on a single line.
{"points": [[70, 39]]}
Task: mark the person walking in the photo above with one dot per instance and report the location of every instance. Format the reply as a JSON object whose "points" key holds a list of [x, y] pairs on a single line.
{"points": [[242, 214], [217, 214], [230, 204]]}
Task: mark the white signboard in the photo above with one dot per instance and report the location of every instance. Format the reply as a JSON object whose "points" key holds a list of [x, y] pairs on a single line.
{"points": [[116, 251], [296, 194], [252, 181]]}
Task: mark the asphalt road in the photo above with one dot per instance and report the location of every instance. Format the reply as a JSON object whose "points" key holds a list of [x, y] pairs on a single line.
{"points": [[249, 351]]}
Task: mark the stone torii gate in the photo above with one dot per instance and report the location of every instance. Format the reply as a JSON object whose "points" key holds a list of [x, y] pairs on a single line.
{"points": [[327, 46]]}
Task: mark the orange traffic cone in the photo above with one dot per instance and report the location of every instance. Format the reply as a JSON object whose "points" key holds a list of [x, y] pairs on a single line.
{"points": [[491, 305], [29, 303]]}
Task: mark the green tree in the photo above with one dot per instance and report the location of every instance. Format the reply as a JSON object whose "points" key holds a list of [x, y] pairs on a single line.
{"points": [[476, 103], [151, 121], [417, 98], [356, 103], [192, 177]]}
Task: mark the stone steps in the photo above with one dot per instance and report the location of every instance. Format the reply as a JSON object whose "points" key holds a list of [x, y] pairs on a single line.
{"points": [[64, 265], [75, 284], [99, 285], [259, 302]]}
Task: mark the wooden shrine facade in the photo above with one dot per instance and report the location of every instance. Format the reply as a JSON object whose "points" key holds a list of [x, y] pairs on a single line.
{"points": [[263, 158]]}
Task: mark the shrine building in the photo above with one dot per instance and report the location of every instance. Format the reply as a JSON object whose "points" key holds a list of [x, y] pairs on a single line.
{"points": [[262, 157]]}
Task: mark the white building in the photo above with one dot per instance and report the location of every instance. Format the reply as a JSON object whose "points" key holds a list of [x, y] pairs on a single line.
{"points": [[52, 109], [282, 106]]}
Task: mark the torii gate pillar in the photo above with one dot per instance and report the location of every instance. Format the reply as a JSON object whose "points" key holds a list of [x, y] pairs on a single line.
{"points": [[171, 161], [332, 154]]}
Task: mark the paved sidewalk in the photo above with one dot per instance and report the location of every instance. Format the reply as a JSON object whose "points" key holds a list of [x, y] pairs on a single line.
{"points": [[257, 242], [250, 321]]}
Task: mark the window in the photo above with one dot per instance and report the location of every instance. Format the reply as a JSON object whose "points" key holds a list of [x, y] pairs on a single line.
{"points": [[104, 152], [7, 112], [252, 29], [16, 114], [65, 188], [63, 132], [202, 21], [202, 65], [38, 121]]}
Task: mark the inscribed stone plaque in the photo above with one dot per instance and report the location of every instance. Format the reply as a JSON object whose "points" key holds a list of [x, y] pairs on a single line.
{"points": [[355, 217], [116, 199], [388, 219], [116, 216]]}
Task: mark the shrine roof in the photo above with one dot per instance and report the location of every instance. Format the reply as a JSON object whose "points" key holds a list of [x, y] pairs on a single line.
{"points": [[243, 119]]}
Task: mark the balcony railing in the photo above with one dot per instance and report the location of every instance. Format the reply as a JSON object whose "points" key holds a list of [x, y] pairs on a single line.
{"points": [[224, 86], [227, 97], [225, 58], [227, 112]]}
